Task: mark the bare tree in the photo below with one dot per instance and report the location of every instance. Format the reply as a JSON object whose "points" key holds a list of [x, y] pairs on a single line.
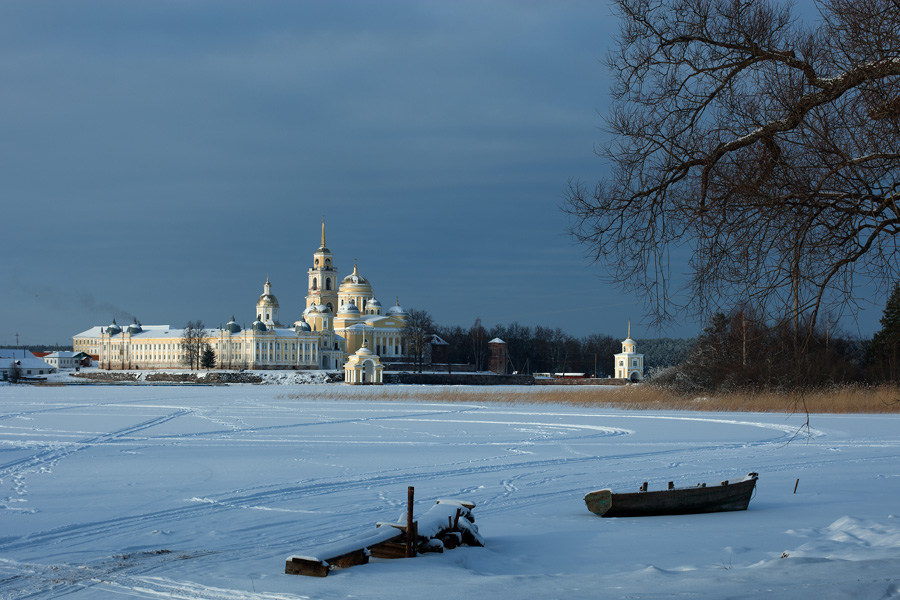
{"points": [[763, 152], [418, 325], [192, 344]]}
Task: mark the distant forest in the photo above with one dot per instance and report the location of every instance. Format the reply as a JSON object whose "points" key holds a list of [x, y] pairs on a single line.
{"points": [[545, 350], [44, 347]]}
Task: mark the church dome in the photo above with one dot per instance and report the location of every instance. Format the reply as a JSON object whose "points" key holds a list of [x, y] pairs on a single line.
{"points": [[113, 329], [232, 327], [373, 303], [355, 280], [348, 309], [267, 298], [135, 327], [258, 326], [301, 325], [397, 311], [316, 308]]}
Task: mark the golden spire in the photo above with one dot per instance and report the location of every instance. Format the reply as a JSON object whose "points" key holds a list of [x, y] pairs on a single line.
{"points": [[323, 231], [629, 329], [355, 271]]}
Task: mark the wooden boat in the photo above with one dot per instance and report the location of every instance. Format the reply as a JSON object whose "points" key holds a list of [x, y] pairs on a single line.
{"points": [[729, 495]]}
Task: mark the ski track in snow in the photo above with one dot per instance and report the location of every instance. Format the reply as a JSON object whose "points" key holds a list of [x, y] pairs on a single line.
{"points": [[521, 477]]}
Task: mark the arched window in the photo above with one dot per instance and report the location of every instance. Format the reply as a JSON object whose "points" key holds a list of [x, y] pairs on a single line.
{"points": [[315, 284], [328, 283]]}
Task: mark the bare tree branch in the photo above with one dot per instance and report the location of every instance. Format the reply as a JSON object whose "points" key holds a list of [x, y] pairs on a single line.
{"points": [[758, 154]]}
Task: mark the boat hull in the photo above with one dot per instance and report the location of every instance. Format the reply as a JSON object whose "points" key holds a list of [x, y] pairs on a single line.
{"points": [[681, 501]]}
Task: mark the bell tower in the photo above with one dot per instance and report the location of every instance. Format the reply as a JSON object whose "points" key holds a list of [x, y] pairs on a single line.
{"points": [[323, 282], [267, 306]]}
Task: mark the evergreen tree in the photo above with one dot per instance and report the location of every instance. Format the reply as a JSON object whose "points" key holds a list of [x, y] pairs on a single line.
{"points": [[208, 358], [886, 343]]}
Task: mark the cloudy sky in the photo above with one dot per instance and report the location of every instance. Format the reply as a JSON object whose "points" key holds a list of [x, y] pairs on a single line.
{"points": [[159, 159]]}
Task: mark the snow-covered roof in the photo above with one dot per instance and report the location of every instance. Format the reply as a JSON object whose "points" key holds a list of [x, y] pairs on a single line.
{"points": [[396, 310], [496, 341], [349, 308], [146, 331], [15, 353], [93, 332], [24, 358]]}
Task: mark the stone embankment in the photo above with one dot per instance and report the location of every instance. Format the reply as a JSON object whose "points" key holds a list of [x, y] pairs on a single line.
{"points": [[282, 377], [203, 377]]}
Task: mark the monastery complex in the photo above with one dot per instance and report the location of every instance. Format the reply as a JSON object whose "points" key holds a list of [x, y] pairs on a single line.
{"points": [[343, 323]]}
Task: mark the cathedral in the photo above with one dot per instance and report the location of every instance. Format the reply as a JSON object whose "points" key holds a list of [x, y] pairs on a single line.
{"points": [[343, 323]]}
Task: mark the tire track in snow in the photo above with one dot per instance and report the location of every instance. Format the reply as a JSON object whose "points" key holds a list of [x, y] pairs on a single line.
{"points": [[260, 496], [269, 428], [255, 497], [124, 575], [46, 459], [56, 453]]}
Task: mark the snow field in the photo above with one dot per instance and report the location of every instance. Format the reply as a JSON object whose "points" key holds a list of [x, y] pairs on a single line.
{"points": [[200, 492]]}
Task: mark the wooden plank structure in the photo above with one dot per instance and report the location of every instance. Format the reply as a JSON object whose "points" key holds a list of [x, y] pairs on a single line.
{"points": [[448, 524]]}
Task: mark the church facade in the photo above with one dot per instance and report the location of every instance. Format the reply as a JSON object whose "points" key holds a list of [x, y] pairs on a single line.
{"points": [[340, 318]]}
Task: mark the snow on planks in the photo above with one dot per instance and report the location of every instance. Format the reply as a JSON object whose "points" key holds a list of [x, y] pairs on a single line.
{"points": [[448, 524]]}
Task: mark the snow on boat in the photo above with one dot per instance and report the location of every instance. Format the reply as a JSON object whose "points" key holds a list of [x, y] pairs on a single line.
{"points": [[729, 495]]}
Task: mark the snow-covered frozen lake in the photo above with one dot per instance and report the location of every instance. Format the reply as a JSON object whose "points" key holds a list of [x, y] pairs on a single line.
{"points": [[202, 492]]}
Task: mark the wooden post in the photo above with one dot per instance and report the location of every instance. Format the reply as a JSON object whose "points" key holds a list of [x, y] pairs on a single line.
{"points": [[410, 527], [796, 484]]}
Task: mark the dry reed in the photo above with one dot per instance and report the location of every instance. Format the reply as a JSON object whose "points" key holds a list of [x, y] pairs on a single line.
{"points": [[834, 400]]}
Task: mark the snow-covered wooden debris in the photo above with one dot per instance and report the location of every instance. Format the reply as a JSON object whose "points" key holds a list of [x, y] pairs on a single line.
{"points": [[447, 524]]}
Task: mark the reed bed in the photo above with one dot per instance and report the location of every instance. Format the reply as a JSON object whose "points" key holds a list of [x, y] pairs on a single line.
{"points": [[831, 400]]}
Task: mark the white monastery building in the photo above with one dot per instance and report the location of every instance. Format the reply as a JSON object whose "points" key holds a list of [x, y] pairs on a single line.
{"points": [[628, 363], [340, 318]]}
